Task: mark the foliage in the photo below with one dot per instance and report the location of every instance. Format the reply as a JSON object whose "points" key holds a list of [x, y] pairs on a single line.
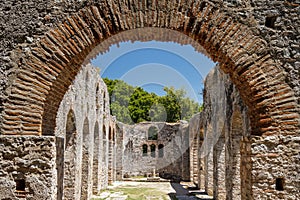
{"points": [[152, 133], [133, 104]]}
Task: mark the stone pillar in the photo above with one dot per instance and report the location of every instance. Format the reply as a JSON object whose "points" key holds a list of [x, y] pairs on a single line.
{"points": [[85, 167], [71, 145], [219, 169], [69, 165], [96, 159], [119, 152], [209, 164], [60, 166], [233, 154], [246, 168], [194, 159]]}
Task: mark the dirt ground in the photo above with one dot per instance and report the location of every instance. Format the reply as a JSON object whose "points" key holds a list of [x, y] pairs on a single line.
{"points": [[151, 190]]}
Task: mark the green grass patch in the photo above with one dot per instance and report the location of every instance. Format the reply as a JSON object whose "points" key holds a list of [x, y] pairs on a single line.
{"points": [[142, 193]]}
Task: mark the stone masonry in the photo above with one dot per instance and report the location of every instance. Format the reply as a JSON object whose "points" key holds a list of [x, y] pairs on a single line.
{"points": [[84, 124], [222, 148], [75, 163], [167, 153], [45, 44]]}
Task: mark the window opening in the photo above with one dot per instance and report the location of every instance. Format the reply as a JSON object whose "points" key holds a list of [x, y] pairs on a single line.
{"points": [[153, 148], [279, 184], [145, 150], [160, 150]]}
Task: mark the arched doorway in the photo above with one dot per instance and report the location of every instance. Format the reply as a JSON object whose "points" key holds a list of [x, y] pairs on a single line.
{"points": [[70, 157], [51, 66]]}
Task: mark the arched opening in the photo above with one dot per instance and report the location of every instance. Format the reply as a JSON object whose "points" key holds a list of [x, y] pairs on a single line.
{"points": [[153, 150], [111, 156], [85, 165], [70, 149], [145, 150], [97, 99], [54, 61], [160, 150]]}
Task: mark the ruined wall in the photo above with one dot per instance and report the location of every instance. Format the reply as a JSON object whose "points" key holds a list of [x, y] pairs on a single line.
{"points": [[84, 124], [28, 39], [170, 158], [23, 23], [226, 147], [27, 167], [72, 164], [256, 41], [220, 164]]}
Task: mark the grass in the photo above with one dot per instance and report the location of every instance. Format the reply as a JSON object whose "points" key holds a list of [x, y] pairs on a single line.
{"points": [[142, 193]]}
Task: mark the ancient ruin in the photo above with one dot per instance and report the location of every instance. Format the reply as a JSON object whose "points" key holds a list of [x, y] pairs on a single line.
{"points": [[58, 139], [158, 146]]}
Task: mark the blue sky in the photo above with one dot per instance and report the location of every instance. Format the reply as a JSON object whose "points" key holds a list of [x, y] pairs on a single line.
{"points": [[153, 65]]}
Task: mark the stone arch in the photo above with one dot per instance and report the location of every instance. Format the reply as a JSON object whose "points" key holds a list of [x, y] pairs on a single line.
{"points": [[53, 63], [70, 157]]}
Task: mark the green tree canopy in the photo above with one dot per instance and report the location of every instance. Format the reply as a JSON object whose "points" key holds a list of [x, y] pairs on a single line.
{"points": [[133, 104]]}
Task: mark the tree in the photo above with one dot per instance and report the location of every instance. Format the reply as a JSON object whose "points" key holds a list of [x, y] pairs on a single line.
{"points": [[140, 105], [119, 95], [133, 104], [172, 105]]}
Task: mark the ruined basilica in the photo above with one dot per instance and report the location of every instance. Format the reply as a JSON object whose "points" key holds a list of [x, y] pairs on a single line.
{"points": [[59, 140]]}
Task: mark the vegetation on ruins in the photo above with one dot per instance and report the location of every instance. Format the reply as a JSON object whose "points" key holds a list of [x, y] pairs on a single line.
{"points": [[133, 104]]}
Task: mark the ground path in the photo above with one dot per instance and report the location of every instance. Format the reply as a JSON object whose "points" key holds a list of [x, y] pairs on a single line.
{"points": [[152, 191]]}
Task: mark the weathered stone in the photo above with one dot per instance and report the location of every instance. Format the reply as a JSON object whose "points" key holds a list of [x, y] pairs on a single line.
{"points": [[170, 156], [255, 42]]}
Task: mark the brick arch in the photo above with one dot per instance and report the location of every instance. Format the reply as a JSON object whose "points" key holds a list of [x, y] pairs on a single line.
{"points": [[51, 66]]}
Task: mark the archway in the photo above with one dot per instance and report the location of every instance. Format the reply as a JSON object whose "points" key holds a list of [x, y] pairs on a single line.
{"points": [[61, 52], [69, 157], [52, 65]]}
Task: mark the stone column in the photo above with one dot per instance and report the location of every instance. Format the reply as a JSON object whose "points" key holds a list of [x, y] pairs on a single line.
{"points": [[233, 161], [219, 169], [96, 159], [201, 175], [85, 167]]}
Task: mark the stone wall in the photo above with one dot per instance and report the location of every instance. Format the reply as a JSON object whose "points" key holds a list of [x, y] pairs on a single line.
{"points": [[24, 23], [227, 168], [168, 155], [27, 167], [75, 163], [44, 43], [85, 126], [41, 36], [217, 134]]}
